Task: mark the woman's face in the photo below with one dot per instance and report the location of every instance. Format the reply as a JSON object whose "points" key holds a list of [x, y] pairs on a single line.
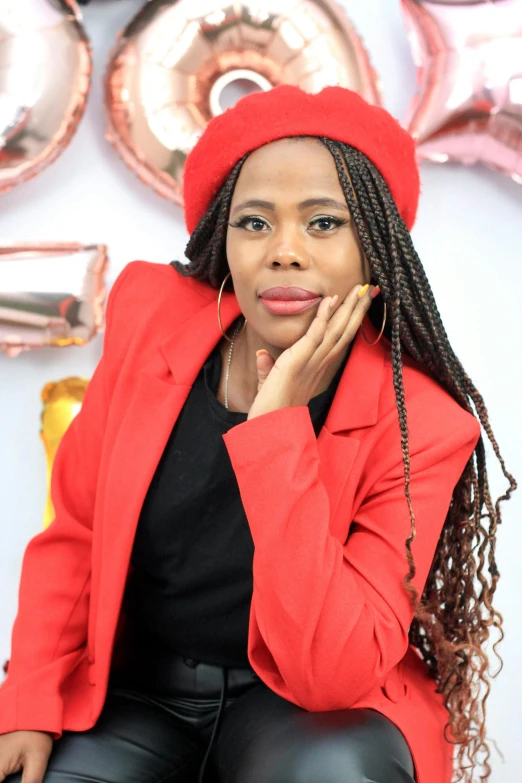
{"points": [[278, 240]]}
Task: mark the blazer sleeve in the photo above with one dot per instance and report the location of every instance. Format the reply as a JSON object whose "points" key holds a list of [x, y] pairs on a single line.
{"points": [[50, 629], [334, 617]]}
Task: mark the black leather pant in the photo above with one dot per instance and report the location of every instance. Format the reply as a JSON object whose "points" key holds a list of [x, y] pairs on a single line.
{"points": [[189, 722]]}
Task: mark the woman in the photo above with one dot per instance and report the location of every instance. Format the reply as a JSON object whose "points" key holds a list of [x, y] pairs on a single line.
{"points": [[313, 615]]}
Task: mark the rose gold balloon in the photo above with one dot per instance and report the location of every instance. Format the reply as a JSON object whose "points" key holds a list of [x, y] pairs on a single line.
{"points": [[62, 401], [45, 67], [50, 295], [469, 58], [173, 65]]}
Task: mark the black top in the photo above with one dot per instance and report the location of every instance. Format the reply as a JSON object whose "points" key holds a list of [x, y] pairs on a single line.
{"points": [[190, 588]]}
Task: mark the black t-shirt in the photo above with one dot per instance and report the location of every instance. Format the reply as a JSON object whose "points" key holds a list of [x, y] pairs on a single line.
{"points": [[190, 587]]}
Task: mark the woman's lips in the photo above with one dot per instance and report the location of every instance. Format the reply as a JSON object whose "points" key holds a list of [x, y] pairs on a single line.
{"points": [[288, 306]]}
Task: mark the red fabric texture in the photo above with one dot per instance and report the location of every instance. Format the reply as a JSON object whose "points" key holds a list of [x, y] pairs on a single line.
{"points": [[287, 110], [329, 616]]}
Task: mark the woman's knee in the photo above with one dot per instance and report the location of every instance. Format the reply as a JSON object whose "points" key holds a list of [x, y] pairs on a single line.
{"points": [[307, 751]]}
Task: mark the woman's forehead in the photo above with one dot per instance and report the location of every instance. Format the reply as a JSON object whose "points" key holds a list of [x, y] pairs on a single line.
{"points": [[288, 164]]}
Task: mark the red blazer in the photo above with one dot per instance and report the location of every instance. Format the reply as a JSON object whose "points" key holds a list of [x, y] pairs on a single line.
{"points": [[329, 615]]}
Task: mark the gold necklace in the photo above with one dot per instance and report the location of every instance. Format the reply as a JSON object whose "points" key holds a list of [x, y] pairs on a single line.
{"points": [[236, 332]]}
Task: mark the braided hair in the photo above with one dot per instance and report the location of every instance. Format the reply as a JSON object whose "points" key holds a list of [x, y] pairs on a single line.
{"points": [[451, 622]]}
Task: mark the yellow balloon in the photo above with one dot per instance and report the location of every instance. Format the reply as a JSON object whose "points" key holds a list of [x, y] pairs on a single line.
{"points": [[62, 401]]}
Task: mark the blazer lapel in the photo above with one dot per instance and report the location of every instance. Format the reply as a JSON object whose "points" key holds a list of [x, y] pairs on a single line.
{"points": [[161, 388]]}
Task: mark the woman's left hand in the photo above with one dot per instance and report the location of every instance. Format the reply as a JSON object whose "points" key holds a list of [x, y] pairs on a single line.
{"points": [[293, 378]]}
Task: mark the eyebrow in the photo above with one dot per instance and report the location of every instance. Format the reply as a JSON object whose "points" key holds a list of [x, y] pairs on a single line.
{"points": [[325, 201]]}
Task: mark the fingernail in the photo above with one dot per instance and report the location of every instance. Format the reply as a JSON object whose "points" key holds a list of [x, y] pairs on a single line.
{"points": [[261, 350], [363, 290], [333, 301], [376, 291]]}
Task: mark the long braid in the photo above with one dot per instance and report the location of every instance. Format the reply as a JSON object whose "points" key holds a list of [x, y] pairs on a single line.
{"points": [[393, 285], [451, 623]]}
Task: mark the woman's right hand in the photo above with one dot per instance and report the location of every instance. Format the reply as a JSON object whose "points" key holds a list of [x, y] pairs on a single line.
{"points": [[25, 750]]}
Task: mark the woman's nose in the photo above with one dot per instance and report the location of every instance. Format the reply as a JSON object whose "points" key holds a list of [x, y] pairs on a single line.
{"points": [[288, 254]]}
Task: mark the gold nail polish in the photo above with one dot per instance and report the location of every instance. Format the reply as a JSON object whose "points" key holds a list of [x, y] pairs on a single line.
{"points": [[363, 290]]}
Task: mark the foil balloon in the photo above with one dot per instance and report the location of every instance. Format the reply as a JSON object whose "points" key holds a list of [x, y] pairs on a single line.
{"points": [[50, 295], [172, 66], [62, 400], [45, 74], [469, 58]]}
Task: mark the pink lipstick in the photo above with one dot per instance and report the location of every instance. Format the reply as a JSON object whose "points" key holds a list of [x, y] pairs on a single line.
{"points": [[288, 306]]}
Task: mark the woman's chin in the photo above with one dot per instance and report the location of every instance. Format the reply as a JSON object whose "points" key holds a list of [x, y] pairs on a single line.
{"points": [[284, 333]]}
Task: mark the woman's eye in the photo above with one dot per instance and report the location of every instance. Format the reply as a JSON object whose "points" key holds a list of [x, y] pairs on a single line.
{"points": [[335, 221], [244, 221]]}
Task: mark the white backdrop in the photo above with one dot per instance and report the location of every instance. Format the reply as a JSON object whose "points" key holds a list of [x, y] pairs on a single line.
{"points": [[467, 234]]}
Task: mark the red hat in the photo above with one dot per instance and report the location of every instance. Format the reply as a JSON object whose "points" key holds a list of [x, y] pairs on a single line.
{"points": [[287, 110]]}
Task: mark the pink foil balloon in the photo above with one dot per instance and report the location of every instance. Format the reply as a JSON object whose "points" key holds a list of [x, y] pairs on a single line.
{"points": [[51, 294], [45, 68], [170, 66], [469, 58]]}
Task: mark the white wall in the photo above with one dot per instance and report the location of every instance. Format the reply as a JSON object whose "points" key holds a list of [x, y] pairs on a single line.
{"points": [[467, 234]]}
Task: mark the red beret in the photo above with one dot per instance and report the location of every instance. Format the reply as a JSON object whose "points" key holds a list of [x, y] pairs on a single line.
{"points": [[287, 110]]}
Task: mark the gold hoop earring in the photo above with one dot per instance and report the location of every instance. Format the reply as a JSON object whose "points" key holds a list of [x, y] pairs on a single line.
{"points": [[219, 314], [380, 333]]}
